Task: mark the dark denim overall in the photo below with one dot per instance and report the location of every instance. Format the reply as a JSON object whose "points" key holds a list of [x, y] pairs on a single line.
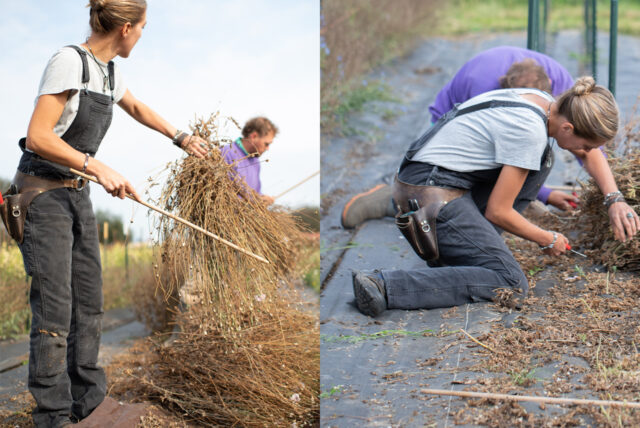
{"points": [[61, 252], [475, 258]]}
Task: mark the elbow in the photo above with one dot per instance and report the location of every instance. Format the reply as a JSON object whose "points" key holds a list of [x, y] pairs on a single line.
{"points": [[31, 143], [494, 216], [35, 140]]}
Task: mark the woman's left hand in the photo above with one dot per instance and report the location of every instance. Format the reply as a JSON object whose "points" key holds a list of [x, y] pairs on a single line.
{"points": [[195, 146], [624, 221]]}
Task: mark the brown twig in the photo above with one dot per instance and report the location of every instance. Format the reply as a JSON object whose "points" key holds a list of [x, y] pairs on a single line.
{"points": [[550, 400], [477, 341]]}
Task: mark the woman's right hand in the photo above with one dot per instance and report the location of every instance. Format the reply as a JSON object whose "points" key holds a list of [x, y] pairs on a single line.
{"points": [[560, 246], [112, 181]]}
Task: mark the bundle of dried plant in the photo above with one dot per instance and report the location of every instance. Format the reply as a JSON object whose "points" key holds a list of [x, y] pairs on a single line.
{"points": [[592, 221], [245, 352]]}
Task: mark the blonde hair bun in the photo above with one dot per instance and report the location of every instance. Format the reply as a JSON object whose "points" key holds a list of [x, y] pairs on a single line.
{"points": [[584, 85], [97, 4], [108, 15]]}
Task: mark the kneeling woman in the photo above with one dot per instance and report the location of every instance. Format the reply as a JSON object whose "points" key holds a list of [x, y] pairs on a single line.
{"points": [[481, 165]]}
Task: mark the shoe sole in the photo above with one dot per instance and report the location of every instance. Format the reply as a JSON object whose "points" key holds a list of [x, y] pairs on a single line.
{"points": [[355, 198], [363, 296]]}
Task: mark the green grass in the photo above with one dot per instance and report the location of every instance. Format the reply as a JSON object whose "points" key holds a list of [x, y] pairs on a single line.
{"points": [[355, 99], [469, 16], [311, 270], [15, 314]]}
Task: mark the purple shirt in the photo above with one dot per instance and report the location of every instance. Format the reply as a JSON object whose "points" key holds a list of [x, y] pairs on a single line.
{"points": [[246, 167], [482, 74]]}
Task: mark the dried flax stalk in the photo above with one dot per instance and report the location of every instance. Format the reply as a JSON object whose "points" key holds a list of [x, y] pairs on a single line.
{"points": [[246, 353], [593, 219]]}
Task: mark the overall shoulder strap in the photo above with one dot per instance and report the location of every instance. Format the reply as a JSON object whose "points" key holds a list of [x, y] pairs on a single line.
{"points": [[112, 77], [85, 64], [498, 103], [452, 114]]}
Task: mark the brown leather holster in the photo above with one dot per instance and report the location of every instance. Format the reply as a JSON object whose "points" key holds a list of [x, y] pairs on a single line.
{"points": [[23, 190], [418, 208]]}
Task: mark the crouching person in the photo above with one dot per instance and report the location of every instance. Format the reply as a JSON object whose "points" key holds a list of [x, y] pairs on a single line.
{"points": [[471, 175]]}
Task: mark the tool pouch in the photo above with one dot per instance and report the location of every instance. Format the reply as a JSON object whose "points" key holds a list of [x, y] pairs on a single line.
{"points": [[418, 208], [420, 233], [14, 211], [17, 199]]}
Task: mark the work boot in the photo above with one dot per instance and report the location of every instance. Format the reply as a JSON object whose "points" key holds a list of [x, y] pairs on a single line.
{"points": [[371, 295], [374, 203]]}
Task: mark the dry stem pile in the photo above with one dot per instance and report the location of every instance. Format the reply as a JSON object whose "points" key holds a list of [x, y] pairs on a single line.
{"points": [[246, 353], [593, 219]]}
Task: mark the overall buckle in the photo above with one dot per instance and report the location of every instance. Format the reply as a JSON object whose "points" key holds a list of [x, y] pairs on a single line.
{"points": [[80, 183]]}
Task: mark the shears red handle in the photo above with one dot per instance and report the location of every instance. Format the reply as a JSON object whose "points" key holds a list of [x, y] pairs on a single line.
{"points": [[573, 204]]}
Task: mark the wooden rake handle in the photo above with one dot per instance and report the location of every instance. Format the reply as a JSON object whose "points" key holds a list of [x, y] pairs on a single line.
{"points": [[179, 219], [296, 185]]}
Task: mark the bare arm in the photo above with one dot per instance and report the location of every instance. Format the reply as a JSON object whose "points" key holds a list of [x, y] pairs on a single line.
{"points": [[42, 140], [500, 211], [597, 166], [146, 116]]}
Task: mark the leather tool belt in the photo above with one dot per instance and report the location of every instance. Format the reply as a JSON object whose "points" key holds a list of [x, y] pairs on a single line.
{"points": [[22, 191], [418, 208]]}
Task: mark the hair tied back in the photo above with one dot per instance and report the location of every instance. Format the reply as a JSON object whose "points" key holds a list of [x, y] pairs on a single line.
{"points": [[584, 86]]}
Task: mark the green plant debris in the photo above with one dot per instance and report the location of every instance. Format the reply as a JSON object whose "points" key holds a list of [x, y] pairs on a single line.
{"points": [[523, 377], [377, 335], [534, 270], [349, 245], [334, 390]]}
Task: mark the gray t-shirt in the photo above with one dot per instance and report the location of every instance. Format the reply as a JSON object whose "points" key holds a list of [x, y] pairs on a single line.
{"points": [[492, 137], [64, 72]]}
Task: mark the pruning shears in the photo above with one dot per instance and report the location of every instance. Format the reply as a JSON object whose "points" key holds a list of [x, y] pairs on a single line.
{"points": [[573, 205], [568, 247]]}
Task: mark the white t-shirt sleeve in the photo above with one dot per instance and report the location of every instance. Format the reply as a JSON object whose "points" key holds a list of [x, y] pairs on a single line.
{"points": [[120, 88], [523, 142], [63, 72]]}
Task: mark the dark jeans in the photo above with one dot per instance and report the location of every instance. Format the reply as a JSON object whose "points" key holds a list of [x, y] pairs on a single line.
{"points": [[61, 253], [476, 257]]}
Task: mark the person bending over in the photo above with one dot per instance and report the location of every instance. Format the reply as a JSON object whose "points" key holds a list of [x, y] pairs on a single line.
{"points": [[499, 67], [470, 176]]}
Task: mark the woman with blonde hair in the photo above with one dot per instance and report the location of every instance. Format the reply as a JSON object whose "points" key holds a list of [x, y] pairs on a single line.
{"points": [[59, 242], [469, 177]]}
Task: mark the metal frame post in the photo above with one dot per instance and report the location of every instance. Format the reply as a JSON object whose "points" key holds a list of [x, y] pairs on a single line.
{"points": [[594, 39], [591, 34], [545, 20], [613, 46], [533, 26]]}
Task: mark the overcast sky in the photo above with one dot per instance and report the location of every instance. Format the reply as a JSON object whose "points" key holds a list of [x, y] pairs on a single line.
{"points": [[243, 58]]}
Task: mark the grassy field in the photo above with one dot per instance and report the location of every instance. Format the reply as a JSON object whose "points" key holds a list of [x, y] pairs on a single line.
{"points": [[122, 285], [15, 314], [358, 35], [467, 16]]}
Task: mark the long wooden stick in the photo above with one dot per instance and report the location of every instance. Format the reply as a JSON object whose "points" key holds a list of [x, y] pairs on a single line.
{"points": [[180, 220], [550, 400], [575, 188], [296, 185]]}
